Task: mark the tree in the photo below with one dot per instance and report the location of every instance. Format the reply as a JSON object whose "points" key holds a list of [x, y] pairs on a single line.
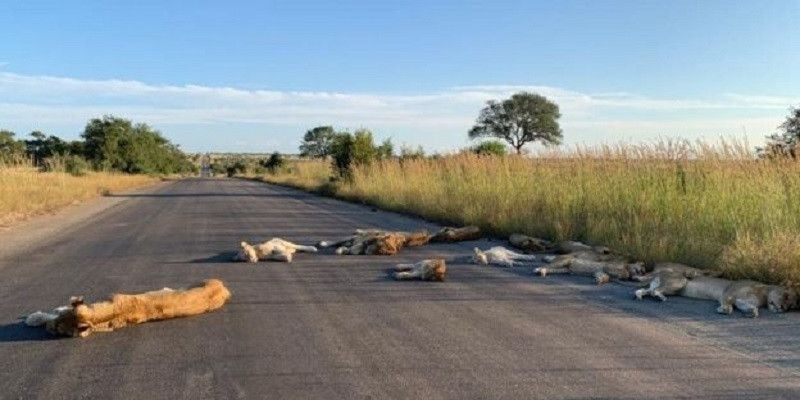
{"points": [[490, 148], [349, 150], [342, 153], [786, 141], [522, 118], [317, 142], [10, 149], [41, 146], [119, 144], [385, 150], [102, 141]]}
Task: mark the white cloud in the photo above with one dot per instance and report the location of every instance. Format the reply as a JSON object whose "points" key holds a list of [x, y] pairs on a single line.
{"points": [[438, 119]]}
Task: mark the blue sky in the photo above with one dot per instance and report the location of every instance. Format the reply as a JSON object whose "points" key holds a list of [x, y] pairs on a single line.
{"points": [[242, 76]]}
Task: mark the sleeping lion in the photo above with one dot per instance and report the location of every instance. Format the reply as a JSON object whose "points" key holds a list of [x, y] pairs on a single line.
{"points": [[600, 265], [668, 279], [425, 270], [81, 320], [450, 235], [275, 249], [501, 256], [377, 242], [529, 243], [746, 296]]}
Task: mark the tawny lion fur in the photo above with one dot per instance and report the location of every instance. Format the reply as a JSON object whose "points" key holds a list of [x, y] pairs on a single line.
{"points": [[426, 270], [449, 234], [746, 296], [529, 243], [668, 279], [600, 265], [377, 242], [81, 320]]}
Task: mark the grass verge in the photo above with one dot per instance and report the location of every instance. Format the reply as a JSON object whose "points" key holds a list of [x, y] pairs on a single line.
{"points": [[26, 192], [711, 207]]}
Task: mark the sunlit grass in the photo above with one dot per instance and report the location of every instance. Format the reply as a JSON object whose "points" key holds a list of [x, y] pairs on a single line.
{"points": [[711, 206], [25, 192]]}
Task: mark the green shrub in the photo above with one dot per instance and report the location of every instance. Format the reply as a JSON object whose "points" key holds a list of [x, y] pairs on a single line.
{"points": [[490, 148], [236, 168], [70, 163], [351, 150], [274, 163], [76, 165]]}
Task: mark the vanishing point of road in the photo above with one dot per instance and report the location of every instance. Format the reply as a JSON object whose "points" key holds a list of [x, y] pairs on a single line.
{"points": [[335, 327]]}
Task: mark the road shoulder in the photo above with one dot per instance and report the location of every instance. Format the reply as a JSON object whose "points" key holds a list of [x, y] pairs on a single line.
{"points": [[36, 230]]}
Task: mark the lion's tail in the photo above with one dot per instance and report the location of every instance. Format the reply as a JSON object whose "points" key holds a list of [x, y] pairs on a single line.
{"points": [[39, 318], [307, 249]]}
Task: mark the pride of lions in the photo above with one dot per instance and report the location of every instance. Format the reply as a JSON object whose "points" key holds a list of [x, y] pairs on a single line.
{"points": [[79, 319]]}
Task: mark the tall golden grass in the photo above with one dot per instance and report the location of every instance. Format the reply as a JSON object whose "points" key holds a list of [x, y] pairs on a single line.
{"points": [[25, 192], [711, 206]]}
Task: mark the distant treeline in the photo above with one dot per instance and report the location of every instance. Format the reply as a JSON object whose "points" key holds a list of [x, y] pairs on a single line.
{"points": [[107, 144]]}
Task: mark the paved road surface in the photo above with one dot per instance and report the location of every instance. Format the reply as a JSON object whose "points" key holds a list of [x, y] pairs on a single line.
{"points": [[335, 327]]}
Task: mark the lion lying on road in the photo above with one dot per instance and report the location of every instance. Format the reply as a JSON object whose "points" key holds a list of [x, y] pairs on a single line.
{"points": [[602, 266], [571, 246], [377, 242], [747, 296], [449, 234], [501, 256], [81, 320], [529, 243], [668, 279], [426, 270], [274, 249]]}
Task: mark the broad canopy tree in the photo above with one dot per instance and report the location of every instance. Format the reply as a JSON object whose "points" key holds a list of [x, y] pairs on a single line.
{"points": [[521, 119], [112, 143], [317, 142]]}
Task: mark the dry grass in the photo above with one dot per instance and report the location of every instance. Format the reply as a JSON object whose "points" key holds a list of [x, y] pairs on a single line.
{"points": [[708, 206], [304, 174], [25, 192]]}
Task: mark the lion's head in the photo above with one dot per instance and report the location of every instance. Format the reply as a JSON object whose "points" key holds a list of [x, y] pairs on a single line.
{"points": [[636, 269], [780, 299], [246, 253], [68, 322], [439, 269], [479, 257]]}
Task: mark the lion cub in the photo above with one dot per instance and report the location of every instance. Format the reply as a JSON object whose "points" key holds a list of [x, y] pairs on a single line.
{"points": [[426, 270], [81, 320], [275, 249]]}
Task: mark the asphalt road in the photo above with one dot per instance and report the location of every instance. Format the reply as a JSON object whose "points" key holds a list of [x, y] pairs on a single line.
{"points": [[333, 327]]}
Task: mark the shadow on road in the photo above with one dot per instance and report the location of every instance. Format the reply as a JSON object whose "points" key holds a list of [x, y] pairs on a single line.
{"points": [[222, 257], [19, 332]]}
